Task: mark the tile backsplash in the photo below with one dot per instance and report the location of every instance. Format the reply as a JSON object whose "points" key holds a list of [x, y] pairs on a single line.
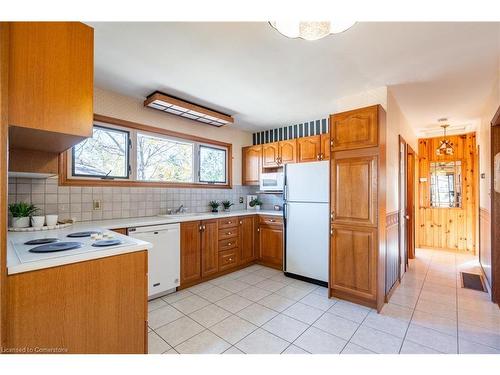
{"points": [[117, 202]]}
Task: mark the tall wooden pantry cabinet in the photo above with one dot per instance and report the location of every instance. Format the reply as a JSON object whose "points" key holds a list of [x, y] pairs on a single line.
{"points": [[357, 200]]}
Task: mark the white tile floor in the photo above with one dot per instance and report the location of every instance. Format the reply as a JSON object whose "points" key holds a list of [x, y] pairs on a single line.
{"points": [[259, 310]]}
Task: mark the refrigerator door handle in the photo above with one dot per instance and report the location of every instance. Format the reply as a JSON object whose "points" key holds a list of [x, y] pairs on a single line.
{"points": [[284, 211]]}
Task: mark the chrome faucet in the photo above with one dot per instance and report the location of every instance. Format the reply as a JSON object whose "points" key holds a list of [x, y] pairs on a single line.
{"points": [[181, 209]]}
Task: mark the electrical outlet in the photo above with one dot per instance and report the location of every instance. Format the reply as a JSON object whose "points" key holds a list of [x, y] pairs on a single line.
{"points": [[241, 200], [96, 205]]}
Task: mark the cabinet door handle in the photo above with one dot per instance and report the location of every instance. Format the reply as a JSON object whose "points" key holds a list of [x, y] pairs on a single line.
{"points": [[241, 222], [271, 220], [228, 233], [229, 244], [200, 228], [229, 222], [332, 215]]}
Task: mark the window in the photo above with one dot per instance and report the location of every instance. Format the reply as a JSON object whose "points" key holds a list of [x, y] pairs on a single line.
{"points": [[212, 165], [446, 184], [106, 154], [162, 159], [140, 154]]}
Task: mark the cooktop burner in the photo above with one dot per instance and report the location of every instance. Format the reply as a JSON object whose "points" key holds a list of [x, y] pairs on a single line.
{"points": [[104, 243], [83, 234], [58, 246], [41, 241]]}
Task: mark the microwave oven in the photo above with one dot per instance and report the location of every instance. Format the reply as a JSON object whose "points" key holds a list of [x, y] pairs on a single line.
{"points": [[272, 181]]}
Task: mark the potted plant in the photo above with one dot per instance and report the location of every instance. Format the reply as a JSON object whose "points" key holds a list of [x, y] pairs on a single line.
{"points": [[227, 205], [257, 203], [21, 213], [214, 205]]}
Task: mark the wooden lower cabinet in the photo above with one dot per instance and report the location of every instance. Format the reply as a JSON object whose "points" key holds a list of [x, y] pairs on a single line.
{"points": [[209, 248], [97, 306], [212, 248], [246, 240], [353, 261], [271, 245], [190, 252]]}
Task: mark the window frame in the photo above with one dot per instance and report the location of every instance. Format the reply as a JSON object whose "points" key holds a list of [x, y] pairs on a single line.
{"points": [[66, 178], [127, 166], [199, 164]]}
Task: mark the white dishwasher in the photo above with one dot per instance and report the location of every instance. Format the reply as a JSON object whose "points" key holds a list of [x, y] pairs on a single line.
{"points": [[163, 259]]}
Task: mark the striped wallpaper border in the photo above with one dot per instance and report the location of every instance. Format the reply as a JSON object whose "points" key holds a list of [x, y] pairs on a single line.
{"points": [[304, 129]]}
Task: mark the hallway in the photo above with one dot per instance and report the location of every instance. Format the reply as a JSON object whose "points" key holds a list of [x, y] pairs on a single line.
{"points": [[445, 317]]}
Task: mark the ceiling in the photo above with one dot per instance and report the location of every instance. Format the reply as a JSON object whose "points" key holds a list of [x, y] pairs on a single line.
{"points": [[265, 80]]}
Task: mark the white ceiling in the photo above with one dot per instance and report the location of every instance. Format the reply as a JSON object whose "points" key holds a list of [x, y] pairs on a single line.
{"points": [[264, 80]]}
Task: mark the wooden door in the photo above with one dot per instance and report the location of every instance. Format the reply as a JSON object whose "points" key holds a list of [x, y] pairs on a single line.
{"points": [[353, 242], [309, 149], [251, 164], [288, 151], [325, 146], [410, 199], [270, 155], [209, 247], [190, 252], [355, 129], [246, 233], [271, 245]]}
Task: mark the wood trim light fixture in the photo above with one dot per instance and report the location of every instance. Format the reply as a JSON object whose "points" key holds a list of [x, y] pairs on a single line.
{"points": [[445, 147], [182, 108]]}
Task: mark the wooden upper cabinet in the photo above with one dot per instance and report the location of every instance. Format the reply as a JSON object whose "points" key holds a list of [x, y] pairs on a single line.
{"points": [[51, 84], [325, 146], [287, 151], [270, 155], [209, 248], [355, 129], [309, 149], [278, 153], [251, 165], [247, 253], [190, 252]]}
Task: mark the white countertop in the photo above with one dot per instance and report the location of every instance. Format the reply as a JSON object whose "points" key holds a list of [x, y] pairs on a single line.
{"points": [[18, 264]]}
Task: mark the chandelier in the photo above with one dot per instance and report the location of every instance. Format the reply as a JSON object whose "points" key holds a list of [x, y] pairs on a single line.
{"points": [[310, 30], [445, 147]]}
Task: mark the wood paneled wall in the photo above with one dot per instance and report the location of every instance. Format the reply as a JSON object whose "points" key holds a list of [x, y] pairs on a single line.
{"points": [[448, 228], [392, 258]]}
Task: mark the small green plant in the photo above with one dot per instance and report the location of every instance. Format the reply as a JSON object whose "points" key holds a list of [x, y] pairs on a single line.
{"points": [[227, 204], [22, 209], [255, 202], [214, 205]]}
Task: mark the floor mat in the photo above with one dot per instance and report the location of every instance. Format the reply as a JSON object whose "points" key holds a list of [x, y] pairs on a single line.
{"points": [[472, 281]]}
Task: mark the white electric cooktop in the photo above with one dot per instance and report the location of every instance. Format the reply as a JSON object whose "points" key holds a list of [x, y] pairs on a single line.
{"points": [[23, 250]]}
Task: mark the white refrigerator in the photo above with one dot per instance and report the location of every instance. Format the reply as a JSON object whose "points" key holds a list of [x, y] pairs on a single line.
{"points": [[306, 211]]}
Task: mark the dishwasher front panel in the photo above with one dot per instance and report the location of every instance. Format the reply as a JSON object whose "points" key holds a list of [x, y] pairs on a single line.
{"points": [[163, 259]]}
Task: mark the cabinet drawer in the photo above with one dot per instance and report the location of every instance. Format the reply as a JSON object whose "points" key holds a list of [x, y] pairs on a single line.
{"points": [[230, 243], [229, 222], [227, 233], [227, 259], [271, 220]]}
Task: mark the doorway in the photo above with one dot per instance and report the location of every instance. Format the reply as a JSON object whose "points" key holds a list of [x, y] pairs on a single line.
{"points": [[406, 211]]}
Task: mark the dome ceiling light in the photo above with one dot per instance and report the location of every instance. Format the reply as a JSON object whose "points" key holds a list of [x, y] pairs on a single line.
{"points": [[310, 30]]}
